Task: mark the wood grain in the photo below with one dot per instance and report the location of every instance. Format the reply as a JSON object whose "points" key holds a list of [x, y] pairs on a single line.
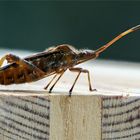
{"points": [[121, 118], [24, 118]]}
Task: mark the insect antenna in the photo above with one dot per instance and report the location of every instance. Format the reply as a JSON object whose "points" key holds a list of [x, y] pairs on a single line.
{"points": [[104, 47]]}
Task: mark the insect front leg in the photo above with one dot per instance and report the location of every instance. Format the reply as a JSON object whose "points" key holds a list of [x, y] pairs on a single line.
{"points": [[80, 70]]}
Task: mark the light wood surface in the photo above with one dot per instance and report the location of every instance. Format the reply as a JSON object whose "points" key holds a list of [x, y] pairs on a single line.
{"points": [[79, 118]]}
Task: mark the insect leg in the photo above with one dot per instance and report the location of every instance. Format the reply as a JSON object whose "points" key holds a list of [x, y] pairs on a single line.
{"points": [[50, 82], [89, 81], [80, 70], [2, 60], [56, 81], [9, 57]]}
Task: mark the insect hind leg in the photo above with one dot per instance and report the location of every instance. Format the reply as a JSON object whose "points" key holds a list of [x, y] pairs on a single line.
{"points": [[10, 59], [2, 60], [25, 71], [80, 70]]}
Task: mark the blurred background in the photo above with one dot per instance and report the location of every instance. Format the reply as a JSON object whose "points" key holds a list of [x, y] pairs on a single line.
{"points": [[36, 25]]}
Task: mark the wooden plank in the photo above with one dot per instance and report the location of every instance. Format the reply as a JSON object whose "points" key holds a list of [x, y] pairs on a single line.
{"points": [[58, 117], [75, 118]]}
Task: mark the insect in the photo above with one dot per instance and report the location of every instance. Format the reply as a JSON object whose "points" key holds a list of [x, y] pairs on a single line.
{"points": [[54, 61]]}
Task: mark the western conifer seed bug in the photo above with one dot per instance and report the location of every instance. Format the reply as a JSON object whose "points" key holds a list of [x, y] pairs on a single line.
{"points": [[53, 61]]}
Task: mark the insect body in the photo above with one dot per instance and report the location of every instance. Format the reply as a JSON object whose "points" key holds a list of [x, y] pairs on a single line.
{"points": [[54, 61]]}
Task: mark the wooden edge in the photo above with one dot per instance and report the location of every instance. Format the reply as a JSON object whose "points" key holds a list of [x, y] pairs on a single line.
{"points": [[55, 117]]}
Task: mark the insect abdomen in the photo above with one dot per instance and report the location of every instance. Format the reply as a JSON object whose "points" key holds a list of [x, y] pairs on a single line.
{"points": [[14, 74]]}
